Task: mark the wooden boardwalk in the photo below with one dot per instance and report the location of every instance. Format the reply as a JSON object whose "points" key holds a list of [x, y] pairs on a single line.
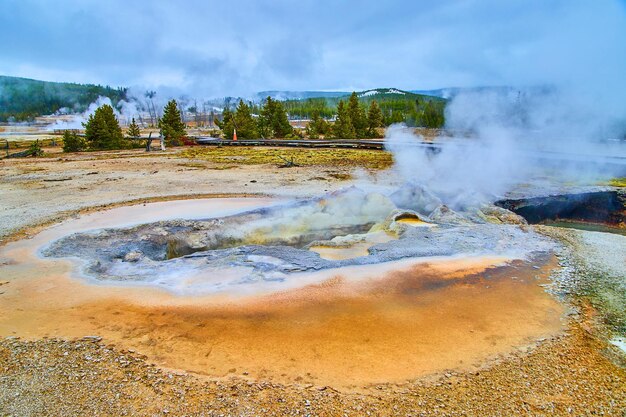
{"points": [[607, 161], [294, 143]]}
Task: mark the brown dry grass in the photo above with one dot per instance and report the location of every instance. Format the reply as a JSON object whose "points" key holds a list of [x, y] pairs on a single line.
{"points": [[369, 159], [618, 182]]}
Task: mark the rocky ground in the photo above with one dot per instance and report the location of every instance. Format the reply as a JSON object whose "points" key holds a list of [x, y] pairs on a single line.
{"points": [[569, 375], [593, 271], [577, 373]]}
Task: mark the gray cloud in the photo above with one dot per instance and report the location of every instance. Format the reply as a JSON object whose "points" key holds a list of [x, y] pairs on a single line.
{"points": [[212, 48]]}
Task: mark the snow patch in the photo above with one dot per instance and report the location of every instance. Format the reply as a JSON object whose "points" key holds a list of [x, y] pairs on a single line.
{"points": [[369, 93]]}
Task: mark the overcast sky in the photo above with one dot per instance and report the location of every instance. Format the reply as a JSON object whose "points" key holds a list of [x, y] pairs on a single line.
{"points": [[237, 47]]}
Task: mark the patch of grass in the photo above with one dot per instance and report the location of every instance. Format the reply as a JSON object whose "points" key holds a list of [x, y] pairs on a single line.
{"points": [[364, 158], [617, 182], [20, 143]]}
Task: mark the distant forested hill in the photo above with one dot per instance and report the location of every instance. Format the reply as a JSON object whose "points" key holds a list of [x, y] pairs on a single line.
{"points": [[297, 95], [22, 99], [396, 105]]}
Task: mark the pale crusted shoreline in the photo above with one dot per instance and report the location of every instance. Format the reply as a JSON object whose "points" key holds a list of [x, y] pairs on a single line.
{"points": [[593, 270]]}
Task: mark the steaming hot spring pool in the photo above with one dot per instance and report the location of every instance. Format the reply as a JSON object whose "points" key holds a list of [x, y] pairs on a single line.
{"points": [[345, 290]]}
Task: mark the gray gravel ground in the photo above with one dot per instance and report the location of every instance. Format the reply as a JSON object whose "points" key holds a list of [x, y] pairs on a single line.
{"points": [[564, 376], [594, 269]]}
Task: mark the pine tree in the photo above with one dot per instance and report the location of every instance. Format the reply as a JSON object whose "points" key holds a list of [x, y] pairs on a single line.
{"points": [[133, 129], [35, 149], [357, 116], [103, 131], [171, 125], [343, 128], [280, 122], [374, 119], [72, 142], [273, 122], [317, 126], [226, 124], [96, 131], [396, 116], [265, 118], [244, 122], [432, 116]]}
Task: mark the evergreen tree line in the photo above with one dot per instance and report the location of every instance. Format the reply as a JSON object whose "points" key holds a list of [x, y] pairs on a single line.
{"points": [[412, 109], [306, 108], [271, 121], [24, 99], [353, 121], [103, 131]]}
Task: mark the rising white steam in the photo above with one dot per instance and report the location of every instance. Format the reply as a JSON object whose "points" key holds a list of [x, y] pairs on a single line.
{"points": [[505, 137], [464, 172], [127, 110], [76, 122]]}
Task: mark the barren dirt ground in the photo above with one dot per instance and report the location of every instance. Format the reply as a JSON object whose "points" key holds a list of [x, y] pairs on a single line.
{"points": [[575, 373], [35, 191]]}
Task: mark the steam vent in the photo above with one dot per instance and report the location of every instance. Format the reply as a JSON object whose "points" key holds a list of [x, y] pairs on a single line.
{"points": [[274, 246]]}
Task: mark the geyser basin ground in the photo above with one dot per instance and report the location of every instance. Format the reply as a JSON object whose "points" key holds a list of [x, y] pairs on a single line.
{"points": [[353, 323]]}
